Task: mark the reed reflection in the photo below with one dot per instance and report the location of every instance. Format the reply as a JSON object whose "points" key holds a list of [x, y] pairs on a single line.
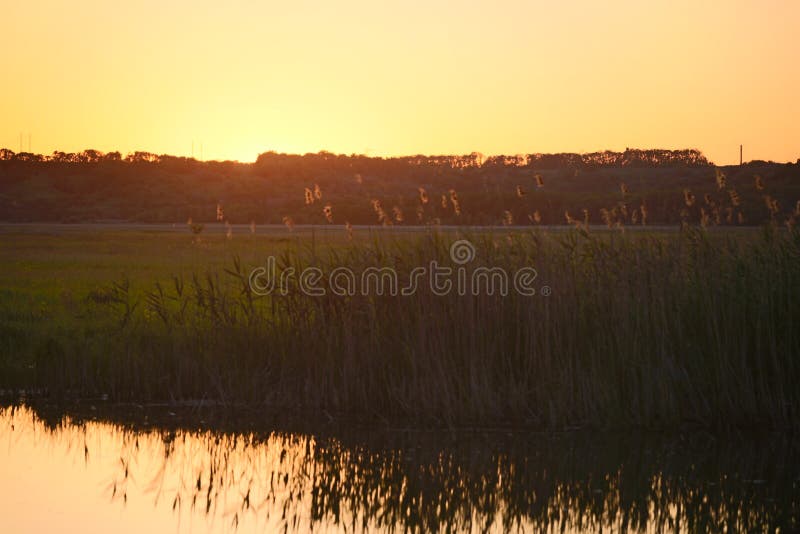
{"points": [[429, 481]]}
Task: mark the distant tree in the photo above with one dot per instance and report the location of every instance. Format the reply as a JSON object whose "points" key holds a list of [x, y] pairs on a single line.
{"points": [[28, 156], [90, 156], [141, 157]]}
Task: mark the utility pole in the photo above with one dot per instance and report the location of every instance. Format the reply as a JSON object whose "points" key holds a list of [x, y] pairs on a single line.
{"points": [[740, 154]]}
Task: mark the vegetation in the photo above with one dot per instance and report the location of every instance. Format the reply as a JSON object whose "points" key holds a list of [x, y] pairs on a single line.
{"points": [[524, 189], [640, 329], [662, 327]]}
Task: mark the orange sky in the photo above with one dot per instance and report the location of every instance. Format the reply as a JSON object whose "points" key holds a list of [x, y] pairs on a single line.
{"points": [[393, 78]]}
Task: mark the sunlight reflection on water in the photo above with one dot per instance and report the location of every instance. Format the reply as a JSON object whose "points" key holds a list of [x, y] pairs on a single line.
{"points": [[90, 476]]}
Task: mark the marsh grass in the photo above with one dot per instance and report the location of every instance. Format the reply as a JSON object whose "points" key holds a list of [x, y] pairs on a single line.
{"points": [[647, 329]]}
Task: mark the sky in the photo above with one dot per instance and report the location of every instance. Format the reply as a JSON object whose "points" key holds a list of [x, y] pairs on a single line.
{"points": [[396, 78]]}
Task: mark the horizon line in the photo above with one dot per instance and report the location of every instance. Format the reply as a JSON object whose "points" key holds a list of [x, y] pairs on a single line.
{"points": [[4, 151]]}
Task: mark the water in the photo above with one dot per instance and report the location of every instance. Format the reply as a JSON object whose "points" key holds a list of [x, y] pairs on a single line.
{"points": [[155, 470]]}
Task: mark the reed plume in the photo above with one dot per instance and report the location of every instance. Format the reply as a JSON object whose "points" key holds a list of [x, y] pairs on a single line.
{"points": [[605, 215], [721, 179], [704, 218], [688, 197], [454, 202], [383, 218], [772, 205]]}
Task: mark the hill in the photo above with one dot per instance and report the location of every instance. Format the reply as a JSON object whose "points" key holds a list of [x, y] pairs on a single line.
{"points": [[659, 186]]}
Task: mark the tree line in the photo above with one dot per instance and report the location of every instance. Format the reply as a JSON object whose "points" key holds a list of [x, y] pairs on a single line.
{"points": [[469, 189], [628, 158]]}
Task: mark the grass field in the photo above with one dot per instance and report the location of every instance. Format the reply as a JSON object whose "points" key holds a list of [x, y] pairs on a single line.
{"points": [[650, 328]]}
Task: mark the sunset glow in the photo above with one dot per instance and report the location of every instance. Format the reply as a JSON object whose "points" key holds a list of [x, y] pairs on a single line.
{"points": [[238, 78]]}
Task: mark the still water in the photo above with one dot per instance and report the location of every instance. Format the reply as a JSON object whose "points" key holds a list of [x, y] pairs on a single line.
{"points": [[163, 472]]}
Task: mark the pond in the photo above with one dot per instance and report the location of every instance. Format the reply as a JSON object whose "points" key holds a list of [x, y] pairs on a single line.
{"points": [[155, 469]]}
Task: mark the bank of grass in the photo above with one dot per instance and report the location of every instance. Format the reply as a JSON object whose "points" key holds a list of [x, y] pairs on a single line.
{"points": [[640, 329]]}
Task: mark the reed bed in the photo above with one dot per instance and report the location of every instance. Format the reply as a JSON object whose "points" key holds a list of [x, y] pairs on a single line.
{"points": [[641, 329]]}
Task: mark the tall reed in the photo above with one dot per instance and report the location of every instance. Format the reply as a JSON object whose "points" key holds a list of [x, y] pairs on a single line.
{"points": [[640, 329]]}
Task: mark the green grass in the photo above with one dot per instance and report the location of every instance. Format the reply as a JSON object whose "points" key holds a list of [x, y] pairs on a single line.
{"points": [[651, 329]]}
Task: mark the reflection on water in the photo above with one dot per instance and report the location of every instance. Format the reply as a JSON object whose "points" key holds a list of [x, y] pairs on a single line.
{"points": [[58, 473]]}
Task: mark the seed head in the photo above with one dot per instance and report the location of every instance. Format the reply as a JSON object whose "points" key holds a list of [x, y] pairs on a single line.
{"points": [[721, 179], [606, 216], [688, 197]]}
